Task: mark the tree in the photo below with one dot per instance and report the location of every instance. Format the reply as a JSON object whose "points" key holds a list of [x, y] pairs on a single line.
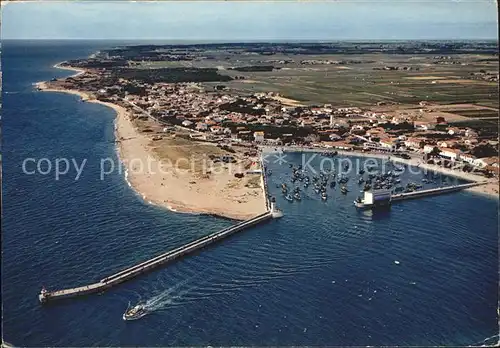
{"points": [[484, 150], [435, 152]]}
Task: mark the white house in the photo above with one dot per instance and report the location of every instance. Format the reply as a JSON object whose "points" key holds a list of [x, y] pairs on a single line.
{"points": [[445, 143], [425, 126], [258, 136], [471, 141], [454, 131], [201, 126], [388, 144], [187, 123], [467, 157], [470, 133], [216, 130], [168, 129], [452, 154], [370, 145], [428, 148], [334, 137], [487, 161], [412, 143]]}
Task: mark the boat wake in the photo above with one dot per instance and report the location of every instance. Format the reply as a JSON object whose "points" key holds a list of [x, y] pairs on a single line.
{"points": [[201, 287], [492, 341]]}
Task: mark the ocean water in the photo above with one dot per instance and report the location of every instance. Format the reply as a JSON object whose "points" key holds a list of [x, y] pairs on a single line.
{"points": [[324, 274]]}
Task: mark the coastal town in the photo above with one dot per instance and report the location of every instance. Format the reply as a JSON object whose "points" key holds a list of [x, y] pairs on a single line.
{"points": [[178, 102], [269, 119]]}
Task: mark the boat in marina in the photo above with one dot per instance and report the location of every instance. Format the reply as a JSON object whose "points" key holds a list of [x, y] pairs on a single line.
{"points": [[399, 189], [324, 196], [297, 196], [289, 197], [344, 190]]}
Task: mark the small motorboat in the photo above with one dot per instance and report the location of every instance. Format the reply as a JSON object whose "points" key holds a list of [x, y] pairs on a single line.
{"points": [[324, 196], [297, 196], [289, 197], [134, 313], [344, 190]]}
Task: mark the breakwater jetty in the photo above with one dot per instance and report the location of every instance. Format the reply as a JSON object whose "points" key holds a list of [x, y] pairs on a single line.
{"points": [[264, 182], [143, 267], [433, 191], [379, 198]]}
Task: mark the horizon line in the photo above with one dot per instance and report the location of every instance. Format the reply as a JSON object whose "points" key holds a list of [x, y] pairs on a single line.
{"points": [[360, 40]]}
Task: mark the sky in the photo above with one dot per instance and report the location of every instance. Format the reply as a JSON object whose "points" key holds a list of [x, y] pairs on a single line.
{"points": [[251, 20]]}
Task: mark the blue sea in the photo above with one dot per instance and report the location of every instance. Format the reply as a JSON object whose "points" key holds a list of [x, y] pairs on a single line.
{"points": [[324, 274]]}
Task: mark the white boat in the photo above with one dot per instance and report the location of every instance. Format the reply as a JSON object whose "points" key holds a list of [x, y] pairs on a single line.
{"points": [[359, 204], [134, 313], [276, 213]]}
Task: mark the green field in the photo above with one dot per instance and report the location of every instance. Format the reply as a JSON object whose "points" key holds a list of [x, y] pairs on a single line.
{"points": [[357, 84], [477, 113]]}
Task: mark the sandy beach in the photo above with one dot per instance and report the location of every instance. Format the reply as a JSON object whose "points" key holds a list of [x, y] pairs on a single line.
{"points": [[178, 190], [78, 71], [490, 188]]}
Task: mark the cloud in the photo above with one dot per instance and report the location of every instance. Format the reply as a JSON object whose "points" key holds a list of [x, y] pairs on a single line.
{"points": [[401, 19]]}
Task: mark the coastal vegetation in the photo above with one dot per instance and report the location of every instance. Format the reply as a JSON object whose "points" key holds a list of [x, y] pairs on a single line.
{"points": [[255, 68], [170, 75], [187, 154]]}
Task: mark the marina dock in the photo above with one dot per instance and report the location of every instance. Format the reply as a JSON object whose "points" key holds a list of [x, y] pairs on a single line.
{"points": [[374, 199], [148, 265], [433, 191]]}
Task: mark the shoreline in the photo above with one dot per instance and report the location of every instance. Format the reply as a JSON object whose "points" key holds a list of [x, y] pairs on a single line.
{"points": [[78, 71], [490, 189]]}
